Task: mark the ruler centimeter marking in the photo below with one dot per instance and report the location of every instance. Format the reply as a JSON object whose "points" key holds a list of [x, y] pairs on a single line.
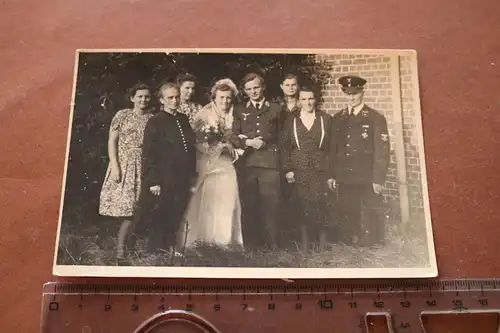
{"points": [[263, 307]]}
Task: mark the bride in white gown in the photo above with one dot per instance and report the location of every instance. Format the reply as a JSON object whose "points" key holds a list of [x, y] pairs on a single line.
{"points": [[213, 215]]}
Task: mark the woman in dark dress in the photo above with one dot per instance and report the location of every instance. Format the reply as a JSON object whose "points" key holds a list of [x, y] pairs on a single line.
{"points": [[169, 171], [304, 145]]}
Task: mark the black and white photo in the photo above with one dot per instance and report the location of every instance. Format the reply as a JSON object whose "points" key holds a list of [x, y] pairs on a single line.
{"points": [[245, 163]]}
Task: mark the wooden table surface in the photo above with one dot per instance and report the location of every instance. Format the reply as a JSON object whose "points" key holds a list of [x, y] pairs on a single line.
{"points": [[458, 47]]}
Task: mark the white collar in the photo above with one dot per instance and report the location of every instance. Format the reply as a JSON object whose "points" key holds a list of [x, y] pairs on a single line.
{"points": [[261, 102], [307, 114], [357, 109]]}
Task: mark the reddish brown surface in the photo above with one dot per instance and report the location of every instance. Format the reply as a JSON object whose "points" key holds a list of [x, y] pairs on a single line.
{"points": [[459, 62], [487, 323]]}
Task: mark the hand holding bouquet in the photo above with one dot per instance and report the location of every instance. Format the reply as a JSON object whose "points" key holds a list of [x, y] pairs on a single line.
{"points": [[212, 135], [215, 139]]}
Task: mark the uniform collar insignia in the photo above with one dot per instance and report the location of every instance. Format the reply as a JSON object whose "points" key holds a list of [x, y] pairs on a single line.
{"points": [[266, 103], [364, 113]]}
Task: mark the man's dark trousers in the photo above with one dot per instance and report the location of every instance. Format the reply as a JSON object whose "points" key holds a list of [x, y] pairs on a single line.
{"points": [[260, 194]]}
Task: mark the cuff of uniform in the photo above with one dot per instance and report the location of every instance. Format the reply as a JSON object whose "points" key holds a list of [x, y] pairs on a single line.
{"points": [[242, 141], [379, 180]]}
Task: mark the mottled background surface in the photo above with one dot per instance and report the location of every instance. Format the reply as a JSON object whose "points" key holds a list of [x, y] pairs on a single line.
{"points": [[459, 61]]}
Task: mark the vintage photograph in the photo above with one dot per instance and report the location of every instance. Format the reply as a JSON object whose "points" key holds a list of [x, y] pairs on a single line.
{"points": [[245, 163]]}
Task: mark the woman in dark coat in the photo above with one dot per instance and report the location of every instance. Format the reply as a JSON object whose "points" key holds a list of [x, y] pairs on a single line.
{"points": [[304, 145], [169, 171]]}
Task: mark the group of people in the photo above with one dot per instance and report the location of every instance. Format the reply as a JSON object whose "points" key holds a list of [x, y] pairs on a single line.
{"points": [[242, 175]]}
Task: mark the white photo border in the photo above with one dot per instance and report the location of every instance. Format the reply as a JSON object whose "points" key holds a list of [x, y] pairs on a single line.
{"points": [[430, 271]]}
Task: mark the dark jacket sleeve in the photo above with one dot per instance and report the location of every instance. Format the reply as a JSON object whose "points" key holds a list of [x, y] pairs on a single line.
{"points": [[333, 146], [285, 146], [236, 130], [192, 152], [381, 150], [273, 134], [326, 143], [150, 153]]}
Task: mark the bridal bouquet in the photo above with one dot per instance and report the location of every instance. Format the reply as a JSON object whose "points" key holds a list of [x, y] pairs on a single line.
{"points": [[214, 138], [211, 134]]}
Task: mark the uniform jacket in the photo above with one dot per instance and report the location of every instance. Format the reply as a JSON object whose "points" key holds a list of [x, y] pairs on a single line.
{"points": [[286, 113], [169, 156], [251, 123], [359, 147], [291, 146]]}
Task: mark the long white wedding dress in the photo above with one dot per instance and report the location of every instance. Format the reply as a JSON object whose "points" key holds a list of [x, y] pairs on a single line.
{"points": [[213, 215]]}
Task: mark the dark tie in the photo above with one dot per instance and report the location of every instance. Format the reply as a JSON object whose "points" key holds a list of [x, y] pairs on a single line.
{"points": [[257, 105]]}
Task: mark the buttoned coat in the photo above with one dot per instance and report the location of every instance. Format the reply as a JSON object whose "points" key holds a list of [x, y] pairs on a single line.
{"points": [[359, 148], [169, 155], [169, 161]]}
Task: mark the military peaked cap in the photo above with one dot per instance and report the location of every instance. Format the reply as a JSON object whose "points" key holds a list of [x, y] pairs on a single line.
{"points": [[352, 84]]}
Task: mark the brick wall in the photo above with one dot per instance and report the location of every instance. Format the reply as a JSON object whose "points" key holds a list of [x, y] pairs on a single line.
{"points": [[382, 94], [411, 134]]}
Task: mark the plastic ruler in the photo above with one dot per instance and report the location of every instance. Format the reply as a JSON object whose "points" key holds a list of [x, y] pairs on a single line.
{"points": [[344, 307]]}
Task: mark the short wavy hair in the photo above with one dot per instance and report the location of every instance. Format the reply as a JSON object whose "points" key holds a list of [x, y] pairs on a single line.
{"points": [[164, 86], [250, 77], [138, 86], [289, 76], [185, 77], [308, 89], [224, 85]]}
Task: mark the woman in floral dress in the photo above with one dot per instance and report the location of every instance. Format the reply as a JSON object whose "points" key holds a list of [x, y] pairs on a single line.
{"points": [[121, 188], [187, 84]]}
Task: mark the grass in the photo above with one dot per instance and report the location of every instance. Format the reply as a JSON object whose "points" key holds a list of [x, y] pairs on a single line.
{"points": [[406, 247]]}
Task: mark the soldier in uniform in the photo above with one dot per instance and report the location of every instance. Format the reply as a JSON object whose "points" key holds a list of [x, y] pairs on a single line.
{"points": [[256, 131], [359, 159]]}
